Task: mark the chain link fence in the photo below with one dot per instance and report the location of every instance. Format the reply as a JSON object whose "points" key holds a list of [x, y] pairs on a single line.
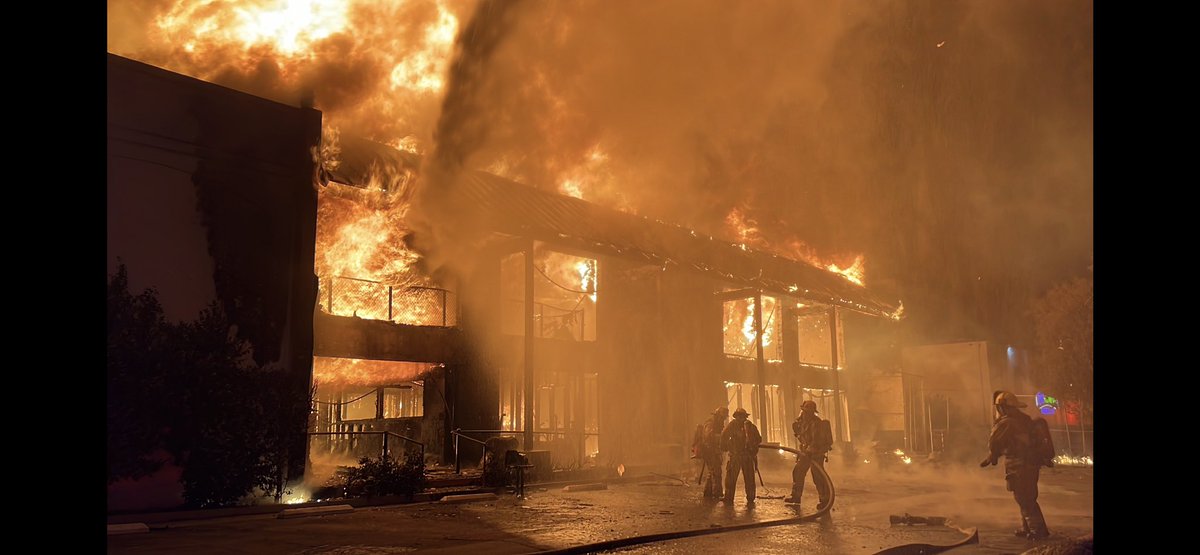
{"points": [[374, 300]]}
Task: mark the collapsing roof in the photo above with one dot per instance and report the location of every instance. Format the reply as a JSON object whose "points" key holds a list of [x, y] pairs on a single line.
{"points": [[508, 207]]}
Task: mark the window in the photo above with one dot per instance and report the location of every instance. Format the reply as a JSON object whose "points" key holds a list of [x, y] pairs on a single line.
{"points": [[565, 294], [404, 401], [740, 331], [815, 347], [359, 403]]}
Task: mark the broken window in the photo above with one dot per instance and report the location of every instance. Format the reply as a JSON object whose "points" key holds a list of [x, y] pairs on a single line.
{"points": [[815, 346], [741, 331], [565, 294]]}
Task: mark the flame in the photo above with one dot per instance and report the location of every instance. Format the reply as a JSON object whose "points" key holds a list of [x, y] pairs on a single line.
{"points": [[378, 66], [1068, 460], [748, 236], [903, 457], [587, 276], [768, 321], [571, 188], [855, 273], [423, 71], [739, 317], [365, 372], [289, 28], [748, 324], [591, 178], [364, 268]]}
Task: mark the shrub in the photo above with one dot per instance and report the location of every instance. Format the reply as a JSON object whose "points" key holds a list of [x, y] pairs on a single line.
{"points": [[386, 476]]}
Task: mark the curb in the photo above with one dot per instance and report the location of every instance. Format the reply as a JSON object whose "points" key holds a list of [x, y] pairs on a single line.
{"points": [[131, 528], [315, 511]]}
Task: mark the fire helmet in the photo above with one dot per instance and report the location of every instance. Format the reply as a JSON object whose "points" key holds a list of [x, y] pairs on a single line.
{"points": [[1008, 399], [723, 412], [809, 405], [740, 413]]}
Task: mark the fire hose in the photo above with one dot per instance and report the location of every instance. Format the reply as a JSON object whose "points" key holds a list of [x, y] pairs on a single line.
{"points": [[650, 538]]}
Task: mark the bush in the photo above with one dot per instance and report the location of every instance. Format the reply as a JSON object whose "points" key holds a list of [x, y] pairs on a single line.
{"points": [[386, 476], [191, 390]]}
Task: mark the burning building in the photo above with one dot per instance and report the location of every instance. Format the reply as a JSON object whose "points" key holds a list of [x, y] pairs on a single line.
{"points": [[618, 329], [598, 337]]}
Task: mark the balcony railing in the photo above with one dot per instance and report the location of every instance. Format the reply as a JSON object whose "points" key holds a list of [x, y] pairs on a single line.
{"points": [[374, 300]]}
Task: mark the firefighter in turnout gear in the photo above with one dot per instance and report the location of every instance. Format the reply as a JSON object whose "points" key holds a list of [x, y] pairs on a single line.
{"points": [[706, 446], [740, 439], [815, 439], [1013, 437]]}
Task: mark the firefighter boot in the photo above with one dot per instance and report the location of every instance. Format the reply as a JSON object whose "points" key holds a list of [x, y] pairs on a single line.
{"points": [[1036, 529], [797, 492]]}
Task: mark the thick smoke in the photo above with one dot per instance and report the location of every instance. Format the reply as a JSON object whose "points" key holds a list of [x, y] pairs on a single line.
{"points": [[949, 142], [927, 135], [461, 129]]}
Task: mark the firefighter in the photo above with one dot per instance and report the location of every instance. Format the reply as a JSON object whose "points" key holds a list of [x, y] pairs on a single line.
{"points": [[740, 439], [1011, 437], [815, 439], [707, 447]]}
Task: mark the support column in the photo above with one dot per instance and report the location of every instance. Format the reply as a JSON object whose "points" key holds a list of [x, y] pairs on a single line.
{"points": [[834, 362], [762, 368], [528, 404]]}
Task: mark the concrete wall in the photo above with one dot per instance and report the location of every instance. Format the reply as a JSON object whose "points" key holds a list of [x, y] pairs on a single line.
{"points": [[210, 198]]}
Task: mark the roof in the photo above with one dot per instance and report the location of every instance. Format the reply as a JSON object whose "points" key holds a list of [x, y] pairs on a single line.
{"points": [[506, 206]]}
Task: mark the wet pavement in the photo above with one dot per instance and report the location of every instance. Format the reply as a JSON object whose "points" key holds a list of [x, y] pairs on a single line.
{"points": [[551, 518]]}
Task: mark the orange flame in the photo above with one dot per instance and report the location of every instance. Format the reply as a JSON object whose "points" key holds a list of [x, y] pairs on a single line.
{"points": [[364, 372], [289, 28], [748, 236], [383, 79]]}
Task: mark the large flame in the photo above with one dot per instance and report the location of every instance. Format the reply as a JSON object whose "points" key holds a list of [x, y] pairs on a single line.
{"points": [[289, 28], [375, 66], [363, 372], [364, 267], [746, 233]]}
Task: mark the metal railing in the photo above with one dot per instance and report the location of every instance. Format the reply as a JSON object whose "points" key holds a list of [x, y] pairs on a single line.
{"points": [[349, 442], [375, 300], [579, 437]]}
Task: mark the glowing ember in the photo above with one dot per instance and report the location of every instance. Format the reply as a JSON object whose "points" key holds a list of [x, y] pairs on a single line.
{"points": [[1068, 460]]}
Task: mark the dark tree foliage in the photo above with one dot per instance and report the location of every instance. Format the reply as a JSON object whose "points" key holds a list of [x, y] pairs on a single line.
{"points": [[1063, 348], [192, 392], [386, 476], [138, 361]]}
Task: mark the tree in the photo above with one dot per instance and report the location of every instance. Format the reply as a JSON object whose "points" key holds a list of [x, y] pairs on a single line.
{"points": [[191, 393], [138, 359], [1063, 341]]}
